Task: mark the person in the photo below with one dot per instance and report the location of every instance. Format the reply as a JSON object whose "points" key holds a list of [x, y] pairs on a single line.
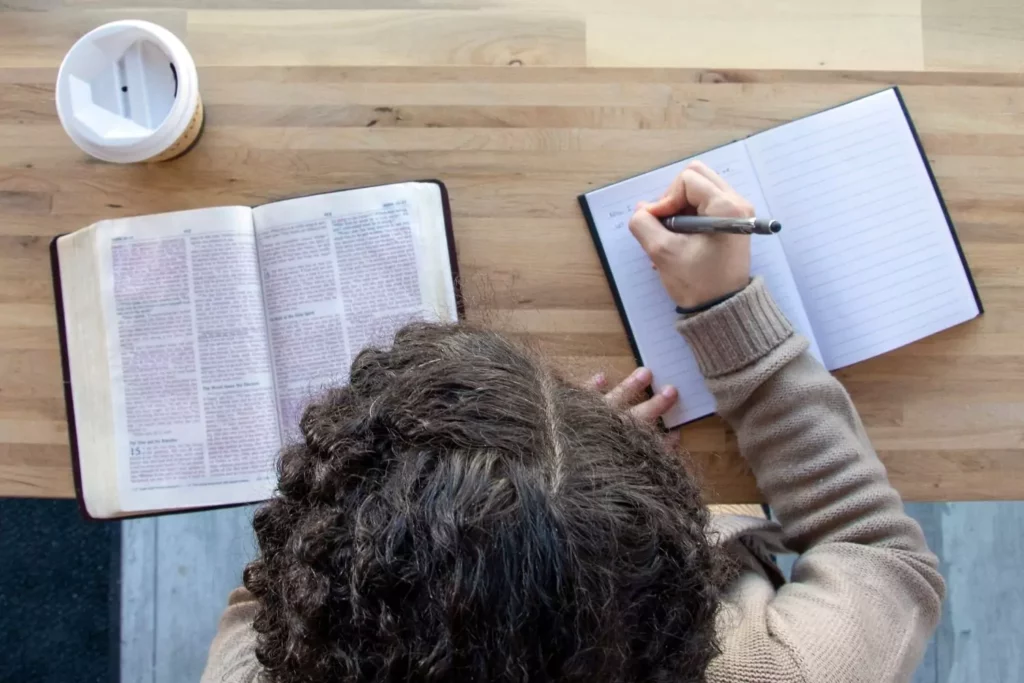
{"points": [[461, 512]]}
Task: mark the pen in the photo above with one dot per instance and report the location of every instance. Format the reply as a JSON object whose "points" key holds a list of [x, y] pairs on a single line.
{"points": [[695, 225]]}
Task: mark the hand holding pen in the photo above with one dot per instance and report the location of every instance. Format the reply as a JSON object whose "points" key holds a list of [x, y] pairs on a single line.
{"points": [[696, 268]]}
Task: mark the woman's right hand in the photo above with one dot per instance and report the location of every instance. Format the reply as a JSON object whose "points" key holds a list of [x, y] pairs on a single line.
{"points": [[696, 269]]}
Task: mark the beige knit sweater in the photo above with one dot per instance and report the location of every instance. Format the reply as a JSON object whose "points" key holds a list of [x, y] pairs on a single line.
{"points": [[865, 593]]}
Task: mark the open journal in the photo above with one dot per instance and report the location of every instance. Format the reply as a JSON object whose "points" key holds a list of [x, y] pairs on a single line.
{"points": [[193, 340], [867, 260]]}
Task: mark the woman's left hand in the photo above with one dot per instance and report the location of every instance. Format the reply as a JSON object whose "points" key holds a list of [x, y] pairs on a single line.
{"points": [[630, 390]]}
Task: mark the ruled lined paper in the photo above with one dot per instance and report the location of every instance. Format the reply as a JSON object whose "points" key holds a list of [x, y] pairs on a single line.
{"points": [[863, 230], [650, 312]]}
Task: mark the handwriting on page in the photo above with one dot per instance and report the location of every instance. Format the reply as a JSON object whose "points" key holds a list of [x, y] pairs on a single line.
{"points": [[864, 233]]}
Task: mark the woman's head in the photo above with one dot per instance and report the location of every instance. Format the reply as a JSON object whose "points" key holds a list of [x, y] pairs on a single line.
{"points": [[460, 513]]}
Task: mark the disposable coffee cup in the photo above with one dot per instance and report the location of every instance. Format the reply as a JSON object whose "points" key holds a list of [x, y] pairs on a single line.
{"points": [[128, 91]]}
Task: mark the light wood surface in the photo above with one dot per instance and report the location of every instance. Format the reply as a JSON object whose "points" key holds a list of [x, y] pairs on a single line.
{"points": [[515, 147], [985, 35]]}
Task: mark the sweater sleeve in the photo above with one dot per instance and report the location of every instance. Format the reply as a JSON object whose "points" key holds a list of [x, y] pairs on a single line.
{"points": [[232, 657], [865, 593]]}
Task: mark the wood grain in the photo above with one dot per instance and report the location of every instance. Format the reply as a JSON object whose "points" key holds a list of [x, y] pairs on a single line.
{"points": [[978, 35], [985, 35], [33, 38], [515, 147], [773, 35], [412, 37]]}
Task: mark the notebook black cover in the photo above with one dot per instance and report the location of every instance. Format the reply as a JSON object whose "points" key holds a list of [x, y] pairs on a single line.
{"points": [[65, 363]]}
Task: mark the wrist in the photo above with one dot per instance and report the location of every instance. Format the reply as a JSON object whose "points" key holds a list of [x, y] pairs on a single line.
{"points": [[712, 290], [736, 333], [709, 303]]}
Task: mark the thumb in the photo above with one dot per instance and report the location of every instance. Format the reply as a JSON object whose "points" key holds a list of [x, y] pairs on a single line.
{"points": [[648, 231]]}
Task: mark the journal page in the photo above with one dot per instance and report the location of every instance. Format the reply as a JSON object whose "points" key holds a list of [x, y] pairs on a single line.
{"points": [[649, 311], [863, 229]]}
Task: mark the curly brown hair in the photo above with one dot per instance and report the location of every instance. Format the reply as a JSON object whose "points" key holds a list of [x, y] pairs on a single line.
{"points": [[459, 512]]}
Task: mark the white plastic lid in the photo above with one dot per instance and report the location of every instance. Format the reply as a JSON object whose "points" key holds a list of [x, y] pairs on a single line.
{"points": [[126, 91]]}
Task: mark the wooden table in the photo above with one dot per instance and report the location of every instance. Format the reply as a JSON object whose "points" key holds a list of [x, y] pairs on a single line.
{"points": [[515, 147]]}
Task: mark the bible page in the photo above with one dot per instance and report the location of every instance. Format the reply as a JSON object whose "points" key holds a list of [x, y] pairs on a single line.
{"points": [[863, 229], [649, 310], [189, 362], [345, 270]]}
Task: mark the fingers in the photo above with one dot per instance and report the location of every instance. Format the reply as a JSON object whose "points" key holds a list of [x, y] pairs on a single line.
{"points": [[724, 202], [690, 189], [672, 202], [629, 389], [703, 169], [695, 187], [649, 232], [656, 406], [700, 190]]}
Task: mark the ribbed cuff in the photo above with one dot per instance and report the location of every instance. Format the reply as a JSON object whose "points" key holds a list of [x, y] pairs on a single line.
{"points": [[736, 333]]}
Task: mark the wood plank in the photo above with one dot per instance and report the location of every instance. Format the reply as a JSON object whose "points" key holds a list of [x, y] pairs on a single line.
{"points": [[978, 35], [772, 40], [199, 559], [982, 552], [845, 34], [411, 37], [176, 574], [930, 516], [34, 38], [138, 599]]}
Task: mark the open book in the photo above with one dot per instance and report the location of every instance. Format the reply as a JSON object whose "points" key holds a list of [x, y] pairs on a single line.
{"points": [[867, 260], [193, 340]]}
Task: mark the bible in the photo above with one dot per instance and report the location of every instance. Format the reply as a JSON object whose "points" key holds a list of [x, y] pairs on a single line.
{"points": [[867, 260], [193, 340]]}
